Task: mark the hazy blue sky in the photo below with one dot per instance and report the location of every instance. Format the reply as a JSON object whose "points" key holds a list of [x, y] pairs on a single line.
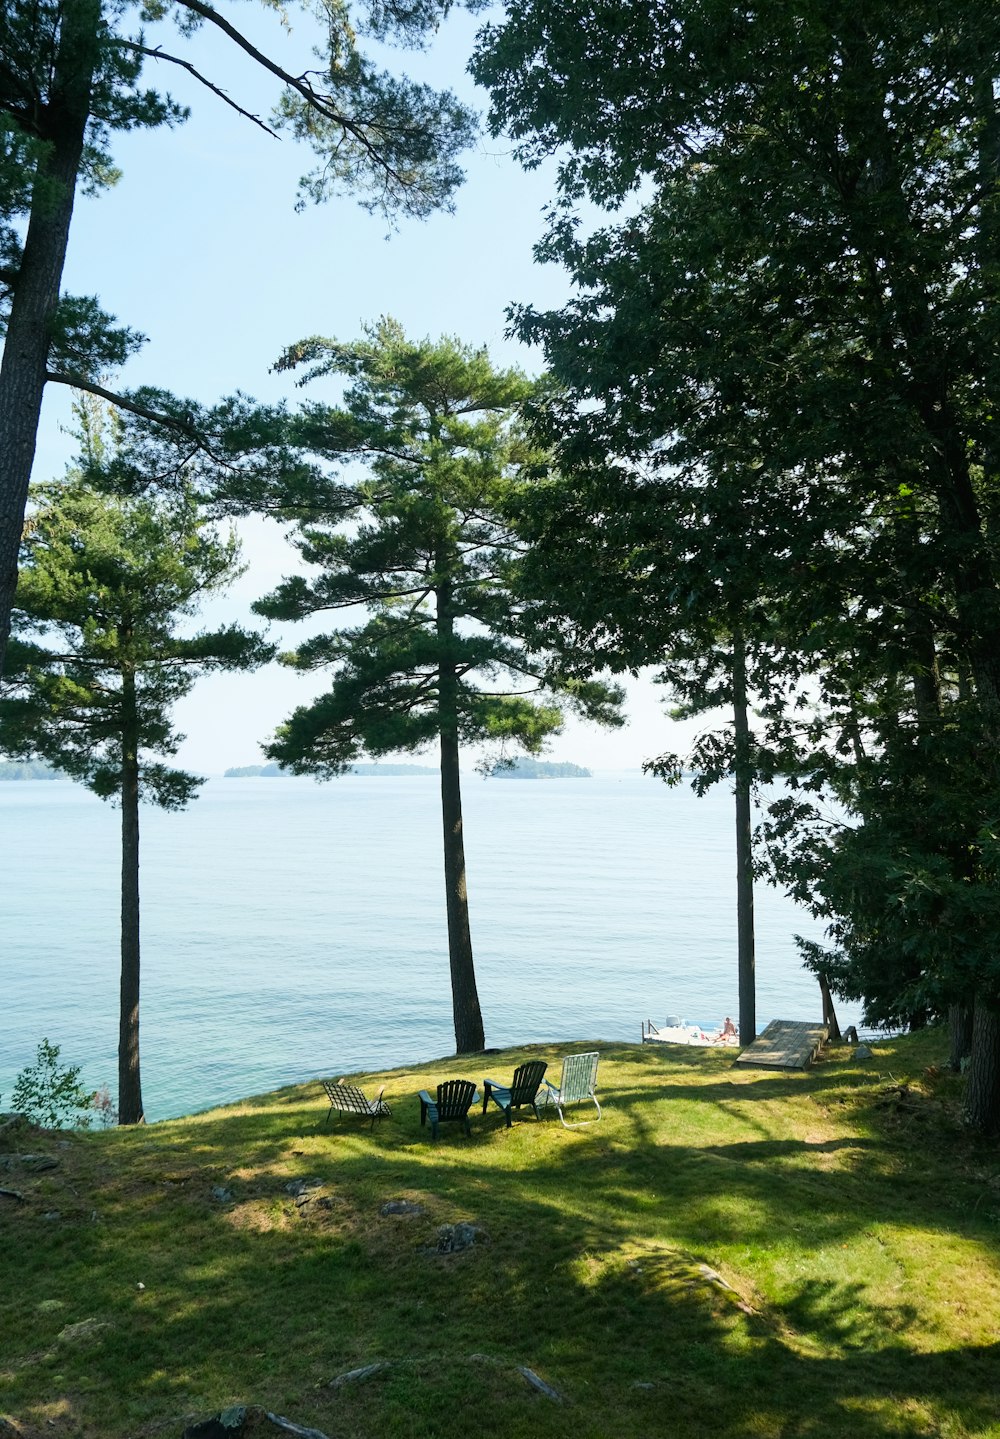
{"points": [[199, 247]]}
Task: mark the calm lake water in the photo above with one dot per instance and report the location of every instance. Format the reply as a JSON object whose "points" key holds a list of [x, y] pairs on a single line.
{"points": [[293, 929]]}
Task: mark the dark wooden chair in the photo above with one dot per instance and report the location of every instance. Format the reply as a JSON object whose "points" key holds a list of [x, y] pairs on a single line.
{"points": [[348, 1099], [522, 1089], [455, 1097]]}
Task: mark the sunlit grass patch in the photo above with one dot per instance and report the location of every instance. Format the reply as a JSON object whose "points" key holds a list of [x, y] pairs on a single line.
{"points": [[724, 1253]]}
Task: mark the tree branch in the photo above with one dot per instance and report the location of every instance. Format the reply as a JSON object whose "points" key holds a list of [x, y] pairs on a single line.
{"points": [[124, 402], [320, 103], [160, 54]]}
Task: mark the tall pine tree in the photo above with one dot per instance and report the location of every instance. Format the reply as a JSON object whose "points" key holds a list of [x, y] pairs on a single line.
{"points": [[98, 662], [420, 542]]}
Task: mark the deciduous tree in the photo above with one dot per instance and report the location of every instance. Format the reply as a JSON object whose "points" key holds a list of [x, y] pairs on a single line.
{"points": [[805, 274]]}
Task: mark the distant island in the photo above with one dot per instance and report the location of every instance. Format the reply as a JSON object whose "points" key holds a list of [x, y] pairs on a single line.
{"points": [[269, 771], [524, 768], [27, 769]]}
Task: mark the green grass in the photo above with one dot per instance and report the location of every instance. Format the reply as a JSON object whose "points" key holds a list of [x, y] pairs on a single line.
{"points": [[854, 1220]]}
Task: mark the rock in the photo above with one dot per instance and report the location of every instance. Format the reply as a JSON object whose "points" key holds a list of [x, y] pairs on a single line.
{"points": [[642, 1384], [18, 1198], [11, 1125], [52, 1214], [221, 1195], [863, 1052], [453, 1238], [299, 1186], [356, 1376], [34, 1162], [228, 1424], [404, 1208], [86, 1329], [540, 1384], [239, 1420]]}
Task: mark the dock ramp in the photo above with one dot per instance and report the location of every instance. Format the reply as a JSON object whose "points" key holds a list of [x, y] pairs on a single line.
{"points": [[785, 1044]]}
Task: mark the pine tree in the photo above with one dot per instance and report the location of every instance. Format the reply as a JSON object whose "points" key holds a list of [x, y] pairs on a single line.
{"points": [[421, 543], [71, 77], [97, 663]]}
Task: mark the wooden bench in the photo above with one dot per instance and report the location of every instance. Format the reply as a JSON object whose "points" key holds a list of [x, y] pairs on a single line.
{"points": [[348, 1099]]}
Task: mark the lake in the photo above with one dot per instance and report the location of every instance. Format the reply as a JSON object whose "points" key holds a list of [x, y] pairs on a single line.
{"points": [[292, 929]]}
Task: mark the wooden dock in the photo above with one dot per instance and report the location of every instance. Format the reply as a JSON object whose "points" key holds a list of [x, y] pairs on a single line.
{"points": [[785, 1044]]}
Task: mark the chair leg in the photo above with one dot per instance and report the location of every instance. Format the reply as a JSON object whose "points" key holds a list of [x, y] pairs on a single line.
{"points": [[577, 1124]]}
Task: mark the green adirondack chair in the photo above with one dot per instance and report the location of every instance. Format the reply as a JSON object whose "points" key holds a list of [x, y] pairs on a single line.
{"points": [[523, 1089], [455, 1097]]}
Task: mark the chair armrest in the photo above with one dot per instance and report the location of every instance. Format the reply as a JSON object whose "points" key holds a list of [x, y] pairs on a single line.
{"points": [[426, 1097]]}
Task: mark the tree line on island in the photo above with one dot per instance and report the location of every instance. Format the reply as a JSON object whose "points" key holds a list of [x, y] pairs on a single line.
{"points": [[762, 460], [520, 767]]}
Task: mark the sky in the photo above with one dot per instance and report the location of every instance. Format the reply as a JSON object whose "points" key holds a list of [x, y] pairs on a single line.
{"points": [[200, 247]]}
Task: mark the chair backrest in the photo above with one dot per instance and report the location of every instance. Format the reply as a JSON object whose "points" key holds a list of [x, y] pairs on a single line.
{"points": [[526, 1081], [579, 1077], [454, 1098], [346, 1097]]}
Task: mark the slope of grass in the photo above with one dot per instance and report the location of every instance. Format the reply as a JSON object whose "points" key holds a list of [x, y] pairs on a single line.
{"points": [[726, 1253]]}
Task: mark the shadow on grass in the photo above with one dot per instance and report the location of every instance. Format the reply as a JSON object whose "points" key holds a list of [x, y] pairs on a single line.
{"points": [[588, 1271]]}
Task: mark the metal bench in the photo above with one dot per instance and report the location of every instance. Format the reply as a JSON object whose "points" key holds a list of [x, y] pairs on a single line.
{"points": [[348, 1099]]}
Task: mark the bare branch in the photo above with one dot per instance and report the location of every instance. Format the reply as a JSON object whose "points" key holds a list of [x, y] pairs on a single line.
{"points": [[322, 104], [159, 54]]}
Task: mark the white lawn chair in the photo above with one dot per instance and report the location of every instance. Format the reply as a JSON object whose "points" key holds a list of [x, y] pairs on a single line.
{"points": [[578, 1081]]}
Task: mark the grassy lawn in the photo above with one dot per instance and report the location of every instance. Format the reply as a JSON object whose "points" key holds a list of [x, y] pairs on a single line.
{"points": [[725, 1253]]}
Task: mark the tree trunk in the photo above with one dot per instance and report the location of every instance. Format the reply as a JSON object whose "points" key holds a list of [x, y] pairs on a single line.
{"points": [[469, 1034], [746, 961], [829, 1013], [129, 1084], [960, 1020], [61, 124], [36, 290], [982, 1090]]}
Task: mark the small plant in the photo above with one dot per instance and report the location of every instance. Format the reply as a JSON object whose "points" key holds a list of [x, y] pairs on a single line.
{"points": [[51, 1095], [104, 1107]]}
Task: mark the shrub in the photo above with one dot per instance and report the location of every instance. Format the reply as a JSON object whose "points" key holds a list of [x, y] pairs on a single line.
{"points": [[51, 1094], [104, 1107]]}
